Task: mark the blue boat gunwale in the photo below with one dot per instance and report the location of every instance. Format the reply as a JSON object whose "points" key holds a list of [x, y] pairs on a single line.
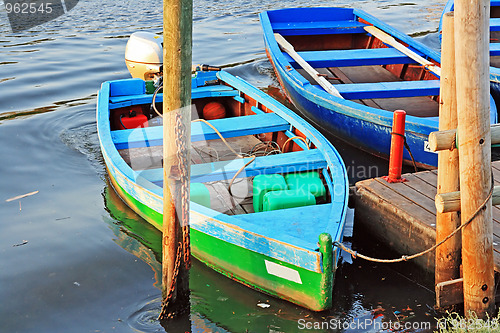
{"points": [[124, 175]]}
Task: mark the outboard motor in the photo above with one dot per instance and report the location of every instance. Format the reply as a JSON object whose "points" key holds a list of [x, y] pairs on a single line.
{"points": [[144, 55]]}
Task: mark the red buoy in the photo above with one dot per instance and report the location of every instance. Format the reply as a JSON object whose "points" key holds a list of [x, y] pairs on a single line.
{"points": [[214, 110]]}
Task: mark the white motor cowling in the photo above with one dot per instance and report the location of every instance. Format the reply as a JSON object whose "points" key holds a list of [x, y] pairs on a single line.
{"points": [[144, 55]]}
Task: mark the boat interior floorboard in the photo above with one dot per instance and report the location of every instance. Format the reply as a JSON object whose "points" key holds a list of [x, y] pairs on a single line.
{"points": [[495, 61], [414, 106], [240, 202], [143, 158], [368, 74], [201, 152], [494, 39], [494, 36]]}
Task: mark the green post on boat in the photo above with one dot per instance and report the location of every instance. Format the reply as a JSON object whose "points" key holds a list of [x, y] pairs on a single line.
{"points": [[326, 249], [177, 55]]}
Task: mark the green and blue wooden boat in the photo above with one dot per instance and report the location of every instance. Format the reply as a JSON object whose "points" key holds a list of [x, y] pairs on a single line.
{"points": [[278, 241], [373, 77]]}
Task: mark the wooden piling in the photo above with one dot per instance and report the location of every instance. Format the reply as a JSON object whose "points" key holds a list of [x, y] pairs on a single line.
{"points": [[473, 104], [448, 257], [177, 58], [443, 140], [450, 202]]}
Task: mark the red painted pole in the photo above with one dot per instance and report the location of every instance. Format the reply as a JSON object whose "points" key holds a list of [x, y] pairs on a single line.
{"points": [[397, 146]]}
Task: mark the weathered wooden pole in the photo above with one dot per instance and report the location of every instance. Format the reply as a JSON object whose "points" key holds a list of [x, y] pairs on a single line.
{"points": [[442, 140], [448, 257], [473, 105], [177, 58], [450, 202]]}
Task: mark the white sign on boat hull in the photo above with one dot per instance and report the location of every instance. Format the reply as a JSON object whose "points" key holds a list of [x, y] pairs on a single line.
{"points": [[283, 272]]}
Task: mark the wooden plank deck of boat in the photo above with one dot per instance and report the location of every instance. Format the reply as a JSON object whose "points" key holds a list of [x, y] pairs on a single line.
{"points": [[420, 106], [205, 152], [403, 215]]}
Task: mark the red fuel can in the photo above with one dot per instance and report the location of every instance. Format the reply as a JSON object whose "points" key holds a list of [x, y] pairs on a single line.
{"points": [[131, 117]]}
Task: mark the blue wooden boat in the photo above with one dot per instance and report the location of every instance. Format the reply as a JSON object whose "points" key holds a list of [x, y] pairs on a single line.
{"points": [[265, 232], [360, 58], [494, 44]]}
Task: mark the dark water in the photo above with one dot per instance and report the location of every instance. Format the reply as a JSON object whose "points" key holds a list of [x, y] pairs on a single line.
{"points": [[73, 258]]}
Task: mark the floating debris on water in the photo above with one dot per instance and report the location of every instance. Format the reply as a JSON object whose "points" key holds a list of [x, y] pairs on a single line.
{"points": [[21, 196], [24, 242]]}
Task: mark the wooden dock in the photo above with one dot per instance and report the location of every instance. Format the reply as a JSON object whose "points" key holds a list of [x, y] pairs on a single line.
{"points": [[403, 215]]}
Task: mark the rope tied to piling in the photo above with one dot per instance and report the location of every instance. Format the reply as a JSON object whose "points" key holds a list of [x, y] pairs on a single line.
{"points": [[355, 254], [407, 147], [453, 144]]}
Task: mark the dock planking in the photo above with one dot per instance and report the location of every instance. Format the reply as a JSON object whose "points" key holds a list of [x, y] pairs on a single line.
{"points": [[403, 215]]}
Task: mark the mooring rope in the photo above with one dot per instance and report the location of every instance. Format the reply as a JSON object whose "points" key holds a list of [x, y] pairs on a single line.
{"points": [[407, 146], [355, 254]]}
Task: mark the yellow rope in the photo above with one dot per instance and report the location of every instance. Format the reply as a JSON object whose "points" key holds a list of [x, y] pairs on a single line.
{"points": [[227, 144], [239, 155], [295, 137], [219, 134]]}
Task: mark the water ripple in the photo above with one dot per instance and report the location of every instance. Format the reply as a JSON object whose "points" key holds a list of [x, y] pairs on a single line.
{"points": [[145, 318]]}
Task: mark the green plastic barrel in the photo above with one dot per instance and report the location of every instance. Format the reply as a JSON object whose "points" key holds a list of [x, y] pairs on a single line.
{"points": [[275, 200], [200, 194], [263, 184], [307, 181]]}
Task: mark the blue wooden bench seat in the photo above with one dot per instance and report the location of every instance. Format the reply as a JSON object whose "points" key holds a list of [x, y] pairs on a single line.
{"points": [[355, 57], [282, 163], [494, 49], [318, 28], [228, 127], [388, 89], [200, 92], [494, 24]]}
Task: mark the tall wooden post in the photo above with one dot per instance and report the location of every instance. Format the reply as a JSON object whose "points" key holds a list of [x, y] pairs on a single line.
{"points": [[473, 105], [448, 257], [177, 58]]}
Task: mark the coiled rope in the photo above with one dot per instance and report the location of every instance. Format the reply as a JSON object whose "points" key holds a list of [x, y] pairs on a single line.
{"points": [[252, 158]]}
